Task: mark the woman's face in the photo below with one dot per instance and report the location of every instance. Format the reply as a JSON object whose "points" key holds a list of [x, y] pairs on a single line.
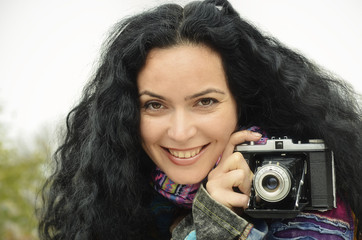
{"points": [[187, 111]]}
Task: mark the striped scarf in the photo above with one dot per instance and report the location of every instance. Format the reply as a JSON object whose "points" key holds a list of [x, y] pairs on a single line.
{"points": [[180, 194]]}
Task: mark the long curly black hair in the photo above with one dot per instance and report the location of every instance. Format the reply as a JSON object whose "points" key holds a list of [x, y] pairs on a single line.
{"points": [[100, 187]]}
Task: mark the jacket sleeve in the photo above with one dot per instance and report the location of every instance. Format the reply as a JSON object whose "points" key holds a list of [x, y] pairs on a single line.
{"points": [[211, 220]]}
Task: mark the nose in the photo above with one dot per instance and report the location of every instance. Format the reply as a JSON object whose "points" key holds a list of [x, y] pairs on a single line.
{"points": [[182, 127]]}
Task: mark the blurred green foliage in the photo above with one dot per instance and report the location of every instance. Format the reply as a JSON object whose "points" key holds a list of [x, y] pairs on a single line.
{"points": [[22, 174]]}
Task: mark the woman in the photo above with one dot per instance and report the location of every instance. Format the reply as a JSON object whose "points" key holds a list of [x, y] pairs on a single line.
{"points": [[164, 112]]}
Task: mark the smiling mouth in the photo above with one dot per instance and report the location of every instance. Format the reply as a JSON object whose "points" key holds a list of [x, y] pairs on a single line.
{"points": [[185, 153]]}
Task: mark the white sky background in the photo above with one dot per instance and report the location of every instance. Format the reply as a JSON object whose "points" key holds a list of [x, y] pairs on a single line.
{"points": [[48, 47]]}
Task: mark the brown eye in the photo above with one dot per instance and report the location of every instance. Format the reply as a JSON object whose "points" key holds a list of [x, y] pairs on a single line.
{"points": [[153, 106], [205, 102]]}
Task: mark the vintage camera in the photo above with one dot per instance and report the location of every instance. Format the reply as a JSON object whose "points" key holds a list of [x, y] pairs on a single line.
{"points": [[289, 177]]}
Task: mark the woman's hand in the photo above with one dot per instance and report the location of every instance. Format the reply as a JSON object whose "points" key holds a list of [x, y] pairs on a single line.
{"points": [[232, 171]]}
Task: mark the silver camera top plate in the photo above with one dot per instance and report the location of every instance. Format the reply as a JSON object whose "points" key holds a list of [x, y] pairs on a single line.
{"points": [[285, 145]]}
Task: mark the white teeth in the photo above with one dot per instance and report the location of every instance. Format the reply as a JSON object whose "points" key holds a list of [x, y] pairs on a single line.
{"points": [[185, 154]]}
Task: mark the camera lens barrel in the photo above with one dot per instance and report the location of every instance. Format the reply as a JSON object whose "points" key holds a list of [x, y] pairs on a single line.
{"points": [[272, 182]]}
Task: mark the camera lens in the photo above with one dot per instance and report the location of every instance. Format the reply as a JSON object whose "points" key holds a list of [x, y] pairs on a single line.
{"points": [[272, 182]]}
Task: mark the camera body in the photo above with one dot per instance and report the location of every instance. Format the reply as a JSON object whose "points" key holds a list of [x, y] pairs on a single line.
{"points": [[289, 177]]}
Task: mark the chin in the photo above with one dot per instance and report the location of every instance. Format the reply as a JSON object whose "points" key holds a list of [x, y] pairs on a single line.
{"points": [[188, 180]]}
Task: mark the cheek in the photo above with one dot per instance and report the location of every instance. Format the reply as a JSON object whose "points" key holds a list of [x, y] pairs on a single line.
{"points": [[227, 126], [224, 131], [146, 132], [226, 122], [148, 139], [151, 132], [220, 128]]}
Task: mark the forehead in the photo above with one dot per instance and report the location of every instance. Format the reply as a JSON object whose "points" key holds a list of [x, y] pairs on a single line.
{"points": [[191, 65]]}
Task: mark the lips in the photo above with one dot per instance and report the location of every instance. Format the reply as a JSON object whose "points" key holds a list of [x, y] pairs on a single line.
{"points": [[185, 157]]}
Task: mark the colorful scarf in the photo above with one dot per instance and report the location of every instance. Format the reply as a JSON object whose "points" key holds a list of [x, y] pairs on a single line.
{"points": [[183, 194], [180, 194]]}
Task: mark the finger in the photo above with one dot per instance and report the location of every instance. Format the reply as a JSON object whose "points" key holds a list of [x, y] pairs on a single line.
{"points": [[234, 161], [222, 190], [238, 138], [240, 178], [233, 199]]}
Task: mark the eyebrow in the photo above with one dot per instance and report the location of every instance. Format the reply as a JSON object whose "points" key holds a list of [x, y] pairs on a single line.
{"points": [[196, 95], [151, 94], [202, 93]]}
